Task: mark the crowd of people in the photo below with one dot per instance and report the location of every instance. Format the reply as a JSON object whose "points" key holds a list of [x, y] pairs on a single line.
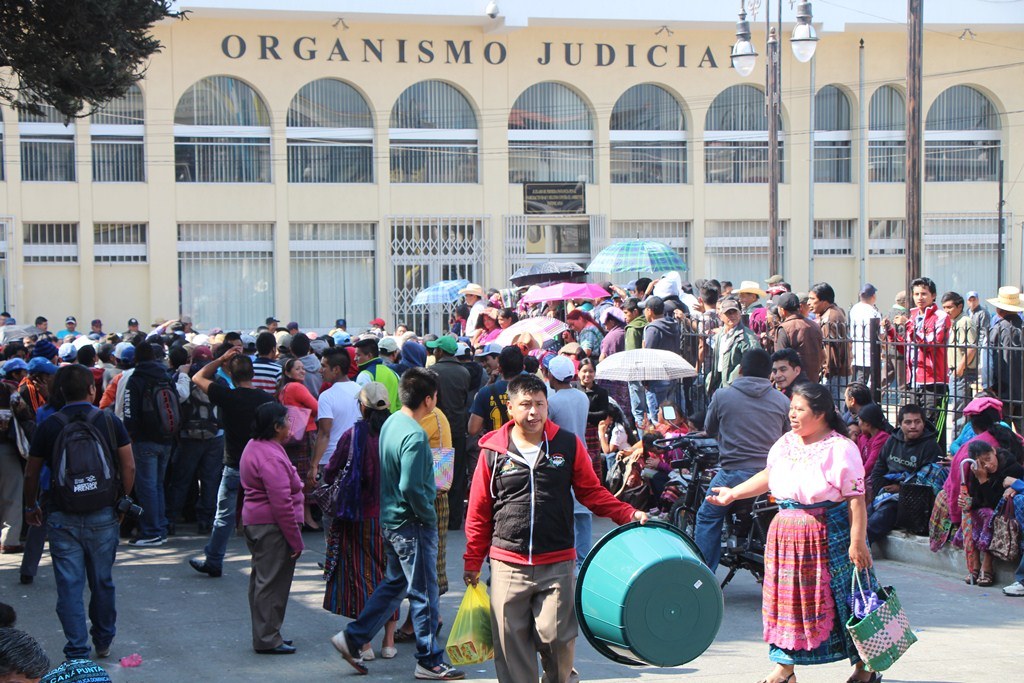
{"points": [[384, 442]]}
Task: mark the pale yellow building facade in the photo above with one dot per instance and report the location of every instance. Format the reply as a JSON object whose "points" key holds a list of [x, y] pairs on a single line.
{"points": [[235, 211]]}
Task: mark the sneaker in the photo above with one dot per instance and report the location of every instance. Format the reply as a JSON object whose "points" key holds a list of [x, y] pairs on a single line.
{"points": [[1015, 589], [103, 652], [147, 542], [438, 672], [340, 642]]}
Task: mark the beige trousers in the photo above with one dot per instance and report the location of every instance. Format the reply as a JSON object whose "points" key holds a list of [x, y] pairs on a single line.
{"points": [[532, 613]]}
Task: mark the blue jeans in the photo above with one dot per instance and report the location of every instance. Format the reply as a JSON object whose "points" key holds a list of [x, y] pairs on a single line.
{"points": [[150, 467], [882, 520], [661, 391], [638, 403], [224, 522], [411, 552], [1018, 511], [196, 458], [582, 525], [83, 547], [708, 530]]}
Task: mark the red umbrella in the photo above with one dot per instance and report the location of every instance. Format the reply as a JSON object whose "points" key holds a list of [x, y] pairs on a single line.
{"points": [[967, 524]]}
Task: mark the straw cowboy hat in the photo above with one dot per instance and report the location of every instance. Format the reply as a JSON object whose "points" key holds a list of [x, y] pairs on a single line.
{"points": [[474, 289], [749, 287], [1008, 300]]}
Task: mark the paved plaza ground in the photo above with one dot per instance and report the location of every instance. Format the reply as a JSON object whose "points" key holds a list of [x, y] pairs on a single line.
{"points": [[188, 627]]}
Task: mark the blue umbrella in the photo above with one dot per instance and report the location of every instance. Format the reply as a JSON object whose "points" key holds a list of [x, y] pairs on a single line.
{"points": [[444, 292], [643, 256]]}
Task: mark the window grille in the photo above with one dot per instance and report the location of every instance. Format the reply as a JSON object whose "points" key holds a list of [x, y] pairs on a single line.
{"points": [[832, 136], [550, 136], [50, 242], [117, 135], [434, 136], [330, 134], [961, 251], [887, 138], [648, 137], [833, 237], [887, 237], [962, 137], [738, 250], [736, 138], [221, 133], [226, 273], [120, 243], [426, 250], [47, 146], [333, 272]]}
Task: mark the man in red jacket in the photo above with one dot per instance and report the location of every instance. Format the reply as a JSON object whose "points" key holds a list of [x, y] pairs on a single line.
{"points": [[521, 514]]}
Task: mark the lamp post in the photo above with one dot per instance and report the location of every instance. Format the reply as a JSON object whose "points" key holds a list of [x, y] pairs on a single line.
{"points": [[803, 41]]}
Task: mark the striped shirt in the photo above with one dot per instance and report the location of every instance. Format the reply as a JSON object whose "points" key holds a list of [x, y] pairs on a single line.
{"points": [[266, 372]]}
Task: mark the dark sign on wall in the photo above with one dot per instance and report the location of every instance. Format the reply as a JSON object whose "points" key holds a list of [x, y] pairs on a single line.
{"points": [[553, 198]]}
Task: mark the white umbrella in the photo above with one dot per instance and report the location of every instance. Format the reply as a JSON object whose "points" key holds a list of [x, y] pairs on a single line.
{"points": [[643, 365]]}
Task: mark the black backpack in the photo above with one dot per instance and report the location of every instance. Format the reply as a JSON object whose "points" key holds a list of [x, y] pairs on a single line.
{"points": [[161, 408], [84, 476], [198, 416]]}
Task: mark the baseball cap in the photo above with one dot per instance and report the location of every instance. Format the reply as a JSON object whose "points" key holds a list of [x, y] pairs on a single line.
{"points": [[248, 342], [972, 295], [868, 290], [133, 321], [375, 396], [272, 319], [340, 322], [490, 349], [377, 322], [70, 319], [655, 303], [562, 368], [387, 345], [97, 321], [39, 364], [128, 355], [788, 302], [730, 304], [446, 343], [67, 351], [120, 349], [292, 326], [343, 339], [14, 365], [462, 349]]}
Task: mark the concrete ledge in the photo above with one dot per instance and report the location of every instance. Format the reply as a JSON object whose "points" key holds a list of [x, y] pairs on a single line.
{"points": [[903, 547]]}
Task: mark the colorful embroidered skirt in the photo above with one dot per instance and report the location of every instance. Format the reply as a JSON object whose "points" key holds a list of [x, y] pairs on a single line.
{"points": [[441, 508], [981, 530], [807, 586], [593, 443], [300, 454], [354, 566]]}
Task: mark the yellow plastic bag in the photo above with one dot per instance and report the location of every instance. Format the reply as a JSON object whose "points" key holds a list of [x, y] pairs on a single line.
{"points": [[470, 639]]}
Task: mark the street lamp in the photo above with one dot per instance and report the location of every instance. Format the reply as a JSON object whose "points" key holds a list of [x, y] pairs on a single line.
{"points": [[804, 41]]}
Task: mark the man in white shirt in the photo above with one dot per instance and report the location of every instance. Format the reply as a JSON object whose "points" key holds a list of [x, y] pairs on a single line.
{"points": [[474, 296], [337, 407], [861, 315]]}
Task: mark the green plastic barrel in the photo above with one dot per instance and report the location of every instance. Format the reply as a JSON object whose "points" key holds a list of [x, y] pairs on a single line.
{"points": [[645, 597]]}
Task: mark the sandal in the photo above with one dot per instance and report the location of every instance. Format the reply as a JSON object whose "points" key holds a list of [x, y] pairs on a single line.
{"points": [[875, 678], [985, 579], [971, 579], [404, 636], [791, 678]]}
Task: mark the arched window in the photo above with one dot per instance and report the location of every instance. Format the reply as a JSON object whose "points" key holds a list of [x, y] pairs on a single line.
{"points": [[887, 136], [434, 136], [736, 138], [648, 137], [330, 134], [962, 137], [47, 146], [832, 136], [117, 130], [221, 133], [550, 136]]}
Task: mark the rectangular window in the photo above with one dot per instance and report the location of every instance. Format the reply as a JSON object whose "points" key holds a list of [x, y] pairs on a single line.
{"points": [[738, 250], [47, 152], [118, 155], [887, 160], [226, 273], [961, 251], [655, 162], [887, 237], [555, 161], [434, 162], [226, 159], [329, 161], [51, 242], [120, 243], [739, 161], [832, 156], [333, 272], [833, 238], [961, 161]]}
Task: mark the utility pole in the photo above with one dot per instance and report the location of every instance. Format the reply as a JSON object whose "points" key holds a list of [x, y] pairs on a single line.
{"points": [[914, 144]]}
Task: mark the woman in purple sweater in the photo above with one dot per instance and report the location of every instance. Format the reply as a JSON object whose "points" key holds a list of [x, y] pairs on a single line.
{"points": [[272, 515]]}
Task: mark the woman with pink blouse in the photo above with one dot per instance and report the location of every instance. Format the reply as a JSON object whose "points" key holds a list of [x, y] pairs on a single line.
{"points": [[817, 476], [272, 522]]}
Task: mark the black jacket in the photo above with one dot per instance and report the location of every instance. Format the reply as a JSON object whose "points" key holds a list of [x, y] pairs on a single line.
{"points": [[453, 393], [141, 380], [899, 455]]}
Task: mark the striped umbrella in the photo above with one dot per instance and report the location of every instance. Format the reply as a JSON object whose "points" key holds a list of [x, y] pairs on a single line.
{"points": [[643, 256], [644, 365], [444, 292], [541, 328]]}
